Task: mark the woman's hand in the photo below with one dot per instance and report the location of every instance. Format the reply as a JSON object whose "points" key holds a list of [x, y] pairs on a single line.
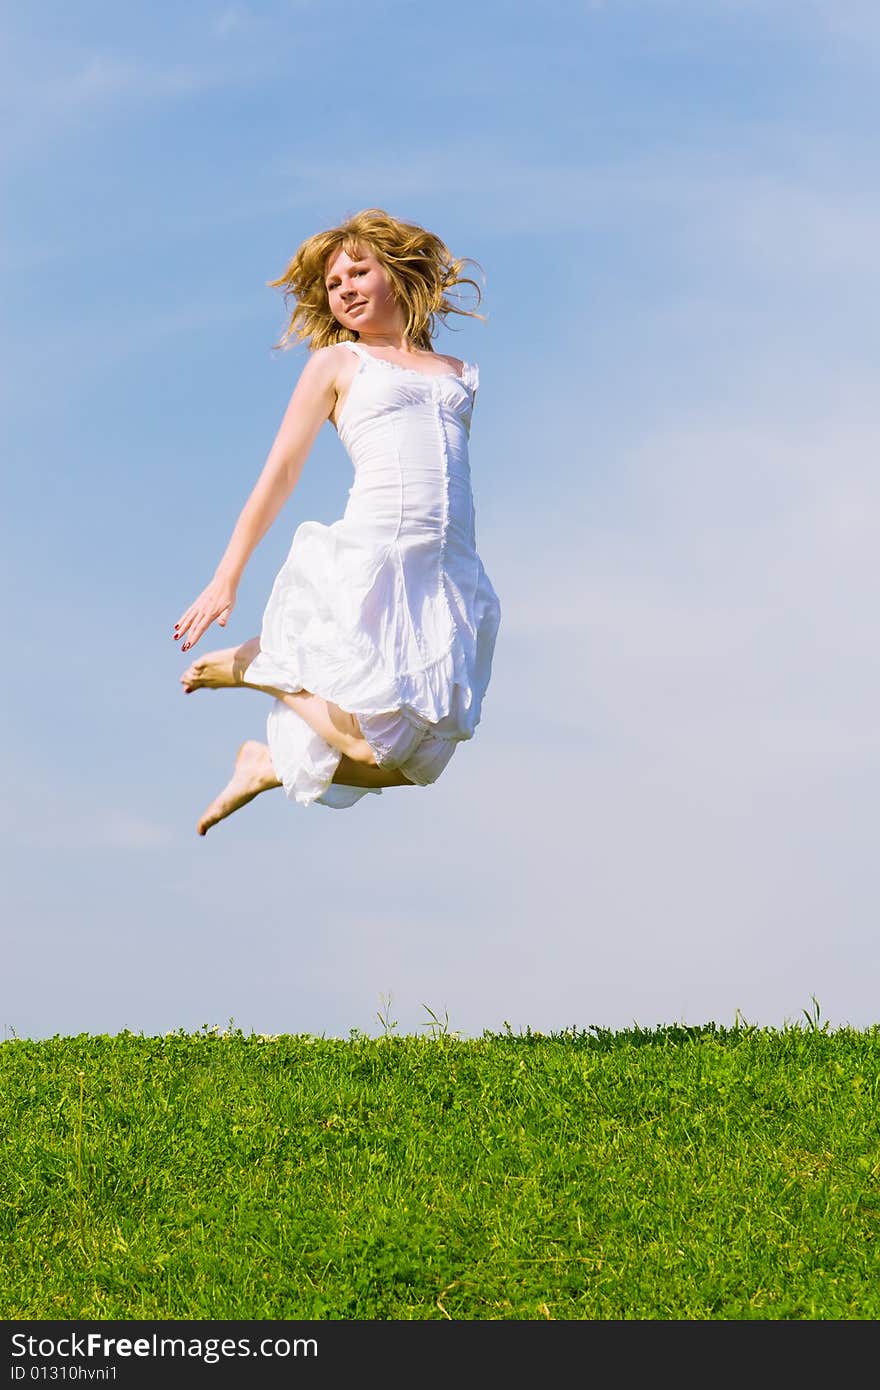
{"points": [[215, 603]]}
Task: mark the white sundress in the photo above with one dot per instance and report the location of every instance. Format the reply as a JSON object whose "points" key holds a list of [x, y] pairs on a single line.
{"points": [[388, 612]]}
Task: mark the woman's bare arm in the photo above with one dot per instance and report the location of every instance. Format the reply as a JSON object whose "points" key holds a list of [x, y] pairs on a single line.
{"points": [[310, 405]]}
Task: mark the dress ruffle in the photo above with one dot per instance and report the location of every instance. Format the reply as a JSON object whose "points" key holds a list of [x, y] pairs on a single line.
{"points": [[325, 632]]}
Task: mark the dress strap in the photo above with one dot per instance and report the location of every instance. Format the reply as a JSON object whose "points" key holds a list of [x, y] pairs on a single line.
{"points": [[355, 347]]}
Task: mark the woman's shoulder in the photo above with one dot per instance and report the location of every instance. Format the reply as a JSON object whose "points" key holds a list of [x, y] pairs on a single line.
{"points": [[332, 353], [325, 363], [457, 364]]}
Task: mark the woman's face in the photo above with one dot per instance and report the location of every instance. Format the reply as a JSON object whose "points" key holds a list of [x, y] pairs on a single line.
{"points": [[360, 294]]}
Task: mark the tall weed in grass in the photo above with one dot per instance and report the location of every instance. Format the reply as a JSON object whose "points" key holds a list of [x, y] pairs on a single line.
{"points": [[668, 1173]]}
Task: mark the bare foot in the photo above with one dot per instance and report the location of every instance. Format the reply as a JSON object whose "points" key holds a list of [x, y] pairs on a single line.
{"points": [[219, 670], [253, 774]]}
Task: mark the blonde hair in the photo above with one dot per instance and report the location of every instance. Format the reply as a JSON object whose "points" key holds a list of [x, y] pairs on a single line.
{"points": [[421, 268]]}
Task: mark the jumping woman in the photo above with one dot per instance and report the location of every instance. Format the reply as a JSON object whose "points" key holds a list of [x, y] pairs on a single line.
{"points": [[377, 640]]}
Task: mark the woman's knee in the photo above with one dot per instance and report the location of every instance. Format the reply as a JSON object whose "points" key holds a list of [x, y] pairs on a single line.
{"points": [[361, 752]]}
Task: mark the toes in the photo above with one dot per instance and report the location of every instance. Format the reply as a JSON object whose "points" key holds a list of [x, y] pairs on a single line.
{"points": [[190, 678]]}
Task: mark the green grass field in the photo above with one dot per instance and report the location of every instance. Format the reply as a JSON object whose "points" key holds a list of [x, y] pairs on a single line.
{"points": [[674, 1173]]}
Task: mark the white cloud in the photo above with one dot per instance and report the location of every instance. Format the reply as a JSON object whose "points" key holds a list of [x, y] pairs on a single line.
{"points": [[125, 831], [44, 107], [101, 78], [232, 20], [785, 222], [736, 578], [53, 818]]}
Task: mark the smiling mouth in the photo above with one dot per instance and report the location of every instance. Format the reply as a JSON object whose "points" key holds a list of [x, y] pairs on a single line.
{"points": [[360, 305]]}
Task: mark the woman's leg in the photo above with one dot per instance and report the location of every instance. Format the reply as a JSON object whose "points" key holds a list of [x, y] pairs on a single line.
{"points": [[253, 773], [223, 670], [352, 774]]}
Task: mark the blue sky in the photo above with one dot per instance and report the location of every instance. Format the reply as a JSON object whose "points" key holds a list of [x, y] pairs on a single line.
{"points": [[668, 812]]}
